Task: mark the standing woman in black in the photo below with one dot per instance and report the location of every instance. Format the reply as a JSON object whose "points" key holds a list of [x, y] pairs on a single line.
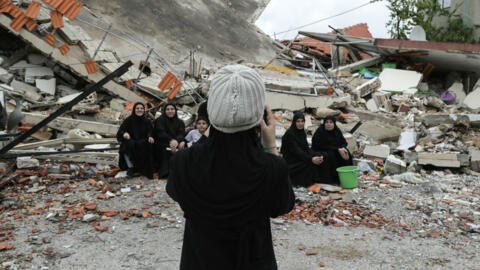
{"points": [[136, 140], [170, 137], [329, 138], [303, 163]]}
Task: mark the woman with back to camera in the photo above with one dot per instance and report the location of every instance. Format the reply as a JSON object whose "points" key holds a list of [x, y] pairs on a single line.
{"points": [[227, 186]]}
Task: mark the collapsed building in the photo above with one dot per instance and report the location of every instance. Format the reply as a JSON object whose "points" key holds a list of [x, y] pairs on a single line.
{"points": [[69, 76]]}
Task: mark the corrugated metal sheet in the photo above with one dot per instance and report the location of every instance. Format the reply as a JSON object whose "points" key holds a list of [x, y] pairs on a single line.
{"points": [[19, 22], [65, 6], [33, 9], [31, 24], [56, 19], [167, 81], [91, 67], [178, 86], [54, 3], [64, 49], [74, 11], [50, 39]]}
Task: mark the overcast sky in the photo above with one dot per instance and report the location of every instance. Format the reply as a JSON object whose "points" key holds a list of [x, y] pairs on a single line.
{"points": [[281, 15]]}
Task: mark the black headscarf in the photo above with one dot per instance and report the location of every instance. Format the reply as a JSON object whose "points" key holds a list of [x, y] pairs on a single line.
{"points": [[293, 133], [324, 139], [167, 128], [226, 168], [139, 127]]}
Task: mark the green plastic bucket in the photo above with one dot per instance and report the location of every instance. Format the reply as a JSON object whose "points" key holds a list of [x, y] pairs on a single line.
{"points": [[348, 176]]}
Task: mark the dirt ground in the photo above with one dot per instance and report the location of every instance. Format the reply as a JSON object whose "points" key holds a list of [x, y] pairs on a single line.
{"points": [[146, 231]]}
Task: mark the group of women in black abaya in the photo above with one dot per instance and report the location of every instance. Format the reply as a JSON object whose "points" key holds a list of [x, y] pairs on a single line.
{"points": [[317, 164], [145, 148]]}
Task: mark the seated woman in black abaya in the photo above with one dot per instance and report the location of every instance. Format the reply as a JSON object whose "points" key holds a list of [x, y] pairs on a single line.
{"points": [[170, 137], [136, 140], [329, 138], [303, 163]]}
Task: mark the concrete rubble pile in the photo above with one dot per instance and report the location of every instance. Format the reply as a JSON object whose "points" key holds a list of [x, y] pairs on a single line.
{"points": [[417, 148]]}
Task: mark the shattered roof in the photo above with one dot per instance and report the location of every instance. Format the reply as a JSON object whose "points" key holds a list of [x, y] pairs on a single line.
{"points": [[357, 30]]}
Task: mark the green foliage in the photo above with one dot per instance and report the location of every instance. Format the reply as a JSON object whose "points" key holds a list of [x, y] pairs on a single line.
{"points": [[405, 14]]}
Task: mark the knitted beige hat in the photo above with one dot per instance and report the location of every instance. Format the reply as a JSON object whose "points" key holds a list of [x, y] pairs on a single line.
{"points": [[236, 99]]}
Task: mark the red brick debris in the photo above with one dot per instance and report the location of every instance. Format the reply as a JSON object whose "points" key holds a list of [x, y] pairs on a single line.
{"points": [[330, 212]]}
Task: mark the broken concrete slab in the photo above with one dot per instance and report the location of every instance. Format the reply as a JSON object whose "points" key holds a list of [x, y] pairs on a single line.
{"points": [[408, 139], [279, 101], [5, 77], [382, 99], [67, 124], [64, 90], [379, 131], [131, 74], [400, 81], [372, 105], [73, 34], [20, 65], [472, 100], [367, 88], [475, 159], [436, 119], [447, 160], [46, 86], [457, 89], [38, 72], [27, 162], [324, 112], [30, 92], [118, 105], [66, 99], [332, 102], [394, 165], [381, 151]]}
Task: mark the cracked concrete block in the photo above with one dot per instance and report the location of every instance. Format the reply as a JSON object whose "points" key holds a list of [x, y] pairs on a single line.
{"points": [[447, 160], [73, 34], [400, 81], [368, 87], [33, 73], [472, 101], [46, 86], [372, 105], [457, 89], [475, 160], [27, 162], [381, 151], [394, 165], [29, 91], [379, 131]]}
